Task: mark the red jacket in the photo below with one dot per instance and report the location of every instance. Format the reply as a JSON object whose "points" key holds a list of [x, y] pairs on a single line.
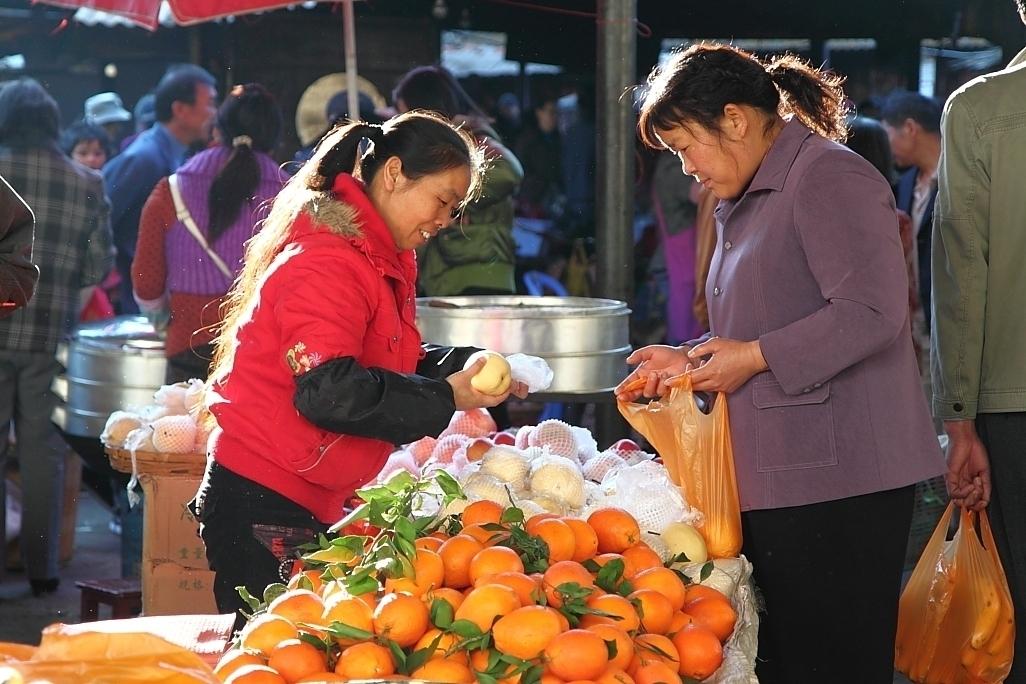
{"points": [[339, 289]]}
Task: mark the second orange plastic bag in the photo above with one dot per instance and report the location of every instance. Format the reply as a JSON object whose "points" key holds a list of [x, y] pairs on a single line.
{"points": [[696, 450], [955, 618]]}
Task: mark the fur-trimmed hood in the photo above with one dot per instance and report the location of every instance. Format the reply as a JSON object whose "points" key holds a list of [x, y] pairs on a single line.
{"points": [[341, 218], [347, 211]]}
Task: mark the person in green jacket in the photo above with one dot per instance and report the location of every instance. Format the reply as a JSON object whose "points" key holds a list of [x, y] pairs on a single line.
{"points": [[979, 321], [478, 256]]}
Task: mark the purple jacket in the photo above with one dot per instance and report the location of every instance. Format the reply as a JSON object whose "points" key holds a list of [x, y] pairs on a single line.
{"points": [[190, 269], [808, 261]]}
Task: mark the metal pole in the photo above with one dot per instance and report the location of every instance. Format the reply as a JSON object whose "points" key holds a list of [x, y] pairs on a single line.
{"points": [[614, 206], [349, 39]]}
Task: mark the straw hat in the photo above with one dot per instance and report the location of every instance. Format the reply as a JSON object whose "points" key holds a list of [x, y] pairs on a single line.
{"points": [[312, 111]]}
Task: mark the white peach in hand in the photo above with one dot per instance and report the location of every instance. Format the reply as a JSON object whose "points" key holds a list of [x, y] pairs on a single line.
{"points": [[495, 377]]}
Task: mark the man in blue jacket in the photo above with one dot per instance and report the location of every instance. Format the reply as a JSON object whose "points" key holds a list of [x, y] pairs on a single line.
{"points": [[185, 103]]}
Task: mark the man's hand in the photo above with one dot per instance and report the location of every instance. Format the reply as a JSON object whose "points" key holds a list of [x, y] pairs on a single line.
{"points": [[656, 363], [723, 365], [968, 476]]}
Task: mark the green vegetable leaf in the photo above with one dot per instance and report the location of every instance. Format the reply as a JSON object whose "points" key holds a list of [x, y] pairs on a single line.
{"points": [[465, 629], [362, 586], [532, 550], [421, 656], [449, 486], [531, 675], [400, 481], [341, 630], [404, 529], [679, 558], [655, 649], [706, 571], [320, 644], [610, 648], [359, 513], [273, 591], [483, 678], [512, 515], [378, 513], [374, 493], [441, 614], [609, 576], [397, 654], [252, 601]]}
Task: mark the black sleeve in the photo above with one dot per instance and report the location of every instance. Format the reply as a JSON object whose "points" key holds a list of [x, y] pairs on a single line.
{"points": [[344, 397], [441, 362]]}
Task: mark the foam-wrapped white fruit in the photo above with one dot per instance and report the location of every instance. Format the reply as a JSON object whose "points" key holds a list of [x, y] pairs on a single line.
{"points": [[595, 469], [172, 397], [558, 478], [140, 439], [118, 426], [507, 464], [682, 538], [195, 394], [548, 504], [484, 486], [529, 507], [174, 434]]}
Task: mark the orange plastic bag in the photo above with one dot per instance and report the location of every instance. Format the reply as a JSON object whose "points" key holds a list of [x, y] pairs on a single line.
{"points": [[955, 618], [131, 651], [696, 450]]}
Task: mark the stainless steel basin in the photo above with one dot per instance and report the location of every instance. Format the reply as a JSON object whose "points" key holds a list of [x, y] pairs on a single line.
{"points": [[584, 340]]}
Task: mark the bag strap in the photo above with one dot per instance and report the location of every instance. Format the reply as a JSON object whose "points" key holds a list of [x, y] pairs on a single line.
{"points": [[185, 217]]}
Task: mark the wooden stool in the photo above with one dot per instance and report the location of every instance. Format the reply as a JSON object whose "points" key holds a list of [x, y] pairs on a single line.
{"points": [[124, 596]]}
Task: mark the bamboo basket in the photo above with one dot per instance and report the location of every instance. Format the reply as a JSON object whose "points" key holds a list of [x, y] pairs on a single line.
{"points": [[156, 463]]}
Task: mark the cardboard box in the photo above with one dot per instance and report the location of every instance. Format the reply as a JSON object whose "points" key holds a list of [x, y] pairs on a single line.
{"points": [[170, 532], [170, 589]]}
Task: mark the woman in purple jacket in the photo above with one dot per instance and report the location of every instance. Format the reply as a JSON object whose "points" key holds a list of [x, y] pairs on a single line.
{"points": [[810, 342], [195, 225]]}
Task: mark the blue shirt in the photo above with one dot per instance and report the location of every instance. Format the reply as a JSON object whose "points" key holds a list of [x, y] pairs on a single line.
{"points": [[130, 178]]}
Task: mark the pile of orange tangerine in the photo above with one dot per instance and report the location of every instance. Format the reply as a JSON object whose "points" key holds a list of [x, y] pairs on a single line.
{"points": [[550, 627]]}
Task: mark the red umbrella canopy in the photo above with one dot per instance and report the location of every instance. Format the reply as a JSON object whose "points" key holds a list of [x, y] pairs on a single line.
{"points": [[145, 12]]}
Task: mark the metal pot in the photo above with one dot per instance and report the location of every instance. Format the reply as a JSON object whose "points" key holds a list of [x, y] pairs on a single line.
{"points": [[109, 365], [584, 340]]}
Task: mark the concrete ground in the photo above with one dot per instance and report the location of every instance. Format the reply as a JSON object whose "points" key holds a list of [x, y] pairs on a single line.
{"points": [[97, 555]]}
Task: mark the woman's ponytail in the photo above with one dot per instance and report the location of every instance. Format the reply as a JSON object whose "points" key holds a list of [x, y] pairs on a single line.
{"points": [[249, 121], [234, 184], [815, 97], [343, 153]]}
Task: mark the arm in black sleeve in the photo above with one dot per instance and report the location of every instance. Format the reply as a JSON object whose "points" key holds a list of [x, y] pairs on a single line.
{"points": [[441, 362], [342, 396]]}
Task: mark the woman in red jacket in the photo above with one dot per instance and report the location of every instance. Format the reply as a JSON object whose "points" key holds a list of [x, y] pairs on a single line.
{"points": [[319, 369]]}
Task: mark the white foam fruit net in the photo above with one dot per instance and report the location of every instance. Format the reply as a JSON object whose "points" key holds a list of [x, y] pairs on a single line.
{"points": [[473, 423], [646, 492], [447, 446], [508, 464], [557, 436], [484, 486], [523, 436], [174, 434], [557, 478], [119, 424], [596, 468]]}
